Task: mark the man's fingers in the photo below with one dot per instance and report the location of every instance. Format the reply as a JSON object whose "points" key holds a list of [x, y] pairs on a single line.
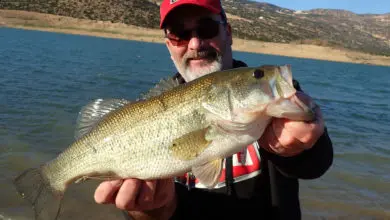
{"points": [[305, 102], [306, 132], [161, 197], [269, 140], [127, 194], [276, 140], [147, 195], [105, 192], [134, 194]]}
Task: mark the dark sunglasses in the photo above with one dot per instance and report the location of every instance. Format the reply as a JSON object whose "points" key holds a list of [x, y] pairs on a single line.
{"points": [[207, 28]]}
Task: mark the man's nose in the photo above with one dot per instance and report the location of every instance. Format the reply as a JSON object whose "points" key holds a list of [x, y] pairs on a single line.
{"points": [[195, 42]]}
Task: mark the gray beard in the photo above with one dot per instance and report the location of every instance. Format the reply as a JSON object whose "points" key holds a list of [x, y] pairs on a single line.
{"points": [[189, 75]]}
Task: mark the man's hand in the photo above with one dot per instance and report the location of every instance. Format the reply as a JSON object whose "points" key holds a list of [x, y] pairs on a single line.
{"points": [[289, 138], [142, 199]]}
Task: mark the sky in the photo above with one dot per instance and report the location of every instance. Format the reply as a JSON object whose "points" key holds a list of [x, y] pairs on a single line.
{"points": [[356, 6]]}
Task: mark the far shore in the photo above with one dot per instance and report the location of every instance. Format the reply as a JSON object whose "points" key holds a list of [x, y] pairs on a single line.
{"points": [[61, 24]]}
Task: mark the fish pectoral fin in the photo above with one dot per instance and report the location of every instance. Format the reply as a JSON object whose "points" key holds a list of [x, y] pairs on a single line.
{"points": [[190, 145], [288, 109], [208, 173], [91, 114]]}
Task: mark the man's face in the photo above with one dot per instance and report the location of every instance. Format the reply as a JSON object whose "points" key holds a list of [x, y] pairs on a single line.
{"points": [[198, 41]]}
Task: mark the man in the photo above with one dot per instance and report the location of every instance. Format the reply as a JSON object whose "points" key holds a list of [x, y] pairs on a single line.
{"points": [[260, 181]]}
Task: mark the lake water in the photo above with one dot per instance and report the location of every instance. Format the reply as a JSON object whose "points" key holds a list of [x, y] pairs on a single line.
{"points": [[45, 78]]}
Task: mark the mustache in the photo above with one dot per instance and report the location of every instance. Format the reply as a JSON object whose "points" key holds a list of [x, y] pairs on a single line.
{"points": [[210, 54]]}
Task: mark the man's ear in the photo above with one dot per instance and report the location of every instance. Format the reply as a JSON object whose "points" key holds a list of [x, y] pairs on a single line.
{"points": [[168, 44]]}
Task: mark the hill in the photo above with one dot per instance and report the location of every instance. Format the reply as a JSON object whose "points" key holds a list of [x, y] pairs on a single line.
{"points": [[337, 28], [250, 20]]}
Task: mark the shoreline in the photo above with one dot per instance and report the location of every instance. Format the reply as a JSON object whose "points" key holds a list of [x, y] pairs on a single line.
{"points": [[61, 24]]}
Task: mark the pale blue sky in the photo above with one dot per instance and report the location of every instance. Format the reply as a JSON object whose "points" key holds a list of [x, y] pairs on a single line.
{"points": [[357, 6]]}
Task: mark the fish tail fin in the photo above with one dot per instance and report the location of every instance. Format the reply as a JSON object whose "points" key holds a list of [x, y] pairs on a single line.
{"points": [[34, 187]]}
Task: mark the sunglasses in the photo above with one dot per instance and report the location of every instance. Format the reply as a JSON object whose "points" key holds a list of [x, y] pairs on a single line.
{"points": [[207, 28]]}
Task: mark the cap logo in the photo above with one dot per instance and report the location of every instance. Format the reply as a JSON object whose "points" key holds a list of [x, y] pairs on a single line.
{"points": [[172, 1]]}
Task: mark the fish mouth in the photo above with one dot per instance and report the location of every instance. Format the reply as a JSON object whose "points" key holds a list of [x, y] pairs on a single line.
{"points": [[287, 89], [286, 74]]}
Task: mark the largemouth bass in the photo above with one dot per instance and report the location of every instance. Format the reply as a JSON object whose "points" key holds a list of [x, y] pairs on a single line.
{"points": [[190, 127]]}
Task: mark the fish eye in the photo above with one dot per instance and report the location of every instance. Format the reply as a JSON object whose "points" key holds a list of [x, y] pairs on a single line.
{"points": [[258, 74]]}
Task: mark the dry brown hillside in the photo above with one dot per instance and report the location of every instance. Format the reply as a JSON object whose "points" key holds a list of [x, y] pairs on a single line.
{"points": [[250, 20]]}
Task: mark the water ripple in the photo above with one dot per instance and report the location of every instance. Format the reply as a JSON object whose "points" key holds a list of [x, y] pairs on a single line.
{"points": [[47, 78]]}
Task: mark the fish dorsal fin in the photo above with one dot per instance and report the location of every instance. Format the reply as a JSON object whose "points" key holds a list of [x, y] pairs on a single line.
{"points": [[208, 174], [93, 112], [164, 85]]}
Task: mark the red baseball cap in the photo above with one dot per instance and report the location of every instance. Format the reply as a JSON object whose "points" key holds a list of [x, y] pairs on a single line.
{"points": [[168, 5]]}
